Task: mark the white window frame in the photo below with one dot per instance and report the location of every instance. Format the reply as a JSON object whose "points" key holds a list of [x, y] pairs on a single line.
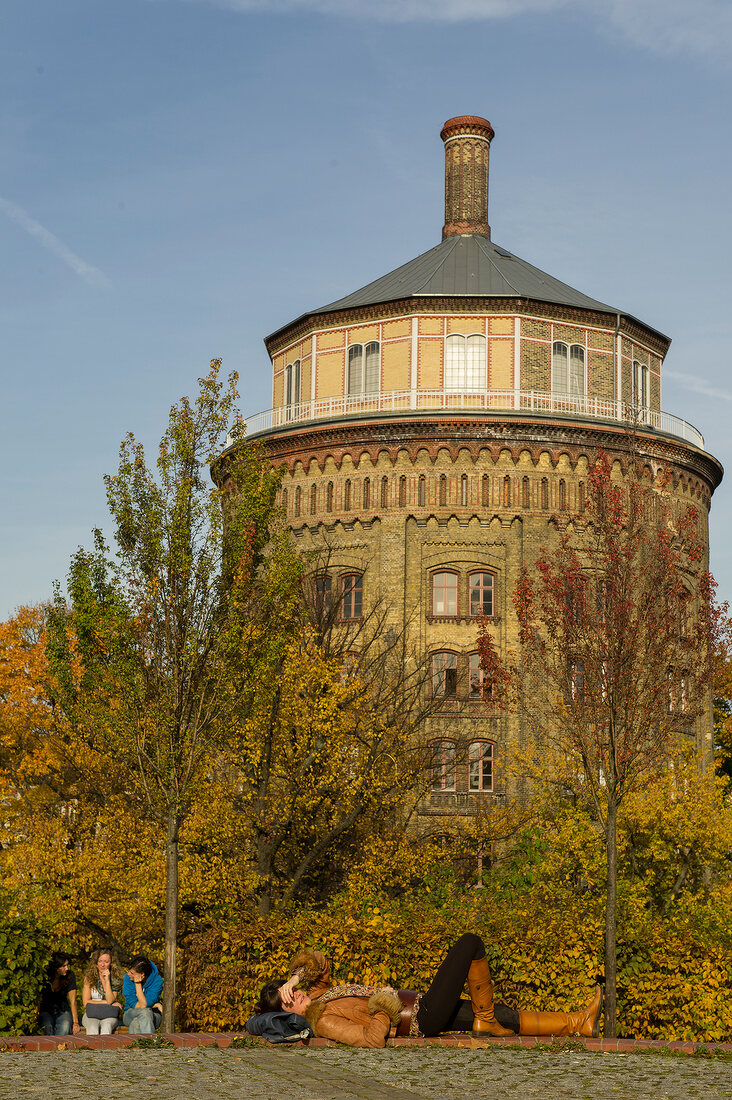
{"points": [[363, 369], [466, 363]]}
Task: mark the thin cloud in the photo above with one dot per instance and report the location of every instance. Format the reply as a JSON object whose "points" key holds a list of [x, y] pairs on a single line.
{"points": [[697, 385], [699, 27], [52, 244]]}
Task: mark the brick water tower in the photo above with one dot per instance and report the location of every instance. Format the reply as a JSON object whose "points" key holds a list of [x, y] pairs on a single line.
{"points": [[436, 423]]}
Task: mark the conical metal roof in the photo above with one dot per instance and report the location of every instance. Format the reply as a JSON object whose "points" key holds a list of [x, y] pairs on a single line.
{"points": [[467, 266]]}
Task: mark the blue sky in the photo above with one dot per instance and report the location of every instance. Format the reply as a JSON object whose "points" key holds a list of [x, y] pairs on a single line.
{"points": [[179, 178]]}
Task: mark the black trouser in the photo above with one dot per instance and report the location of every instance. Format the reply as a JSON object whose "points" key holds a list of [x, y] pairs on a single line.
{"points": [[441, 1007]]}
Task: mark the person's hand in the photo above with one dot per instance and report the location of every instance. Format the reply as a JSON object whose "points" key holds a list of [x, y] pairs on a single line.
{"points": [[76, 1028], [287, 990]]}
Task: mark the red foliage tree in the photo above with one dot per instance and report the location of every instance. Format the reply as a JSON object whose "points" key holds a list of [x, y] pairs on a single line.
{"points": [[618, 632]]}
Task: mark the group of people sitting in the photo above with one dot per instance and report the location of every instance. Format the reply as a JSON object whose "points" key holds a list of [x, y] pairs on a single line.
{"points": [[109, 996], [359, 1015]]}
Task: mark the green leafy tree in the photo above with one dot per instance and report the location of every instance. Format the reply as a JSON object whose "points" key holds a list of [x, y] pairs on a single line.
{"points": [[618, 632], [142, 654]]}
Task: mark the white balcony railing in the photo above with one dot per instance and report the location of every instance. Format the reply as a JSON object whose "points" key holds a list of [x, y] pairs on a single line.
{"points": [[406, 401]]}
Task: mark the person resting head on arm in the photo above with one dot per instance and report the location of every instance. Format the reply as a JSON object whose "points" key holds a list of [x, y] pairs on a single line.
{"points": [[361, 1015]]}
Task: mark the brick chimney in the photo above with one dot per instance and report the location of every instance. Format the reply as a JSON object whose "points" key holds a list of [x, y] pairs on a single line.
{"points": [[467, 145]]}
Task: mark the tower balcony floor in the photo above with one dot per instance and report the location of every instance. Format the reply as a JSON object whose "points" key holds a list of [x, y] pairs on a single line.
{"points": [[491, 403]]}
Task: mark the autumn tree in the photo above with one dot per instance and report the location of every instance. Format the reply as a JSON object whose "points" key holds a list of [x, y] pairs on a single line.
{"points": [[140, 653], [722, 688], [330, 746], [617, 632]]}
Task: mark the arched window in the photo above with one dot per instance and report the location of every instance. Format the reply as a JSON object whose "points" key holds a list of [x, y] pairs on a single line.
{"points": [[284, 499], [313, 499], [320, 586], [562, 495], [486, 491], [480, 586], [347, 495], [476, 677], [422, 491], [444, 594], [640, 384], [442, 765], [465, 364], [402, 491], [577, 680], [443, 490], [525, 493], [292, 388], [507, 492], [444, 675], [480, 766], [544, 494], [298, 500], [464, 490], [351, 596], [366, 492], [581, 496], [568, 368], [363, 369], [385, 492], [329, 497]]}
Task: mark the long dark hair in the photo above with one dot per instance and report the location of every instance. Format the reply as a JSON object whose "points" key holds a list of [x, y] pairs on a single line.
{"points": [[57, 961], [270, 999]]}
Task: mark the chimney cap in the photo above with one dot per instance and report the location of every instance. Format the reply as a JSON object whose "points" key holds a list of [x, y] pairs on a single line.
{"points": [[467, 124]]}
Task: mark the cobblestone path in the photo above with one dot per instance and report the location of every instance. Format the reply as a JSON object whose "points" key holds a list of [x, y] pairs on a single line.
{"points": [[335, 1074]]}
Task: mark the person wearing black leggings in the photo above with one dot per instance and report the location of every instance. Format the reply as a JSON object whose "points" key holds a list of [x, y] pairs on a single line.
{"points": [[364, 1015]]}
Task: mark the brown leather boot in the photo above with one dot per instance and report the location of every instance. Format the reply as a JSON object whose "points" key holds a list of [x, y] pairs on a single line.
{"points": [[585, 1022], [481, 998]]}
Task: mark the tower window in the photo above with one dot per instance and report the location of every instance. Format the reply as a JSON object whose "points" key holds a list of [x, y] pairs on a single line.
{"points": [[367, 492], [544, 494], [481, 593], [402, 492], [443, 490], [640, 384], [422, 491], [480, 766], [507, 492], [464, 490], [486, 491], [525, 493], [562, 495], [347, 495], [351, 596], [363, 369], [444, 594], [465, 364], [476, 677], [298, 500], [568, 368], [292, 388], [385, 492], [443, 765], [444, 675], [329, 497], [313, 500]]}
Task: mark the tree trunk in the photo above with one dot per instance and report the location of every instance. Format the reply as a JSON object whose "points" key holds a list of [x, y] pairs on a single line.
{"points": [[611, 910], [171, 920]]}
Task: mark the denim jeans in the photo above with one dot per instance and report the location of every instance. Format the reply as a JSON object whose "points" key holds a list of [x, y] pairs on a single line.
{"points": [[142, 1021], [56, 1023]]}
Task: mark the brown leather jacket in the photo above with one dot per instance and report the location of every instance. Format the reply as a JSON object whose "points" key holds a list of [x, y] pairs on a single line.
{"points": [[360, 1017]]}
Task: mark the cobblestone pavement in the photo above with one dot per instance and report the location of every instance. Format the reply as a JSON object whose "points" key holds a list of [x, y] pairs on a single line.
{"points": [[343, 1074]]}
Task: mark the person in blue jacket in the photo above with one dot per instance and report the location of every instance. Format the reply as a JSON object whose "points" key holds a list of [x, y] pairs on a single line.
{"points": [[143, 991]]}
